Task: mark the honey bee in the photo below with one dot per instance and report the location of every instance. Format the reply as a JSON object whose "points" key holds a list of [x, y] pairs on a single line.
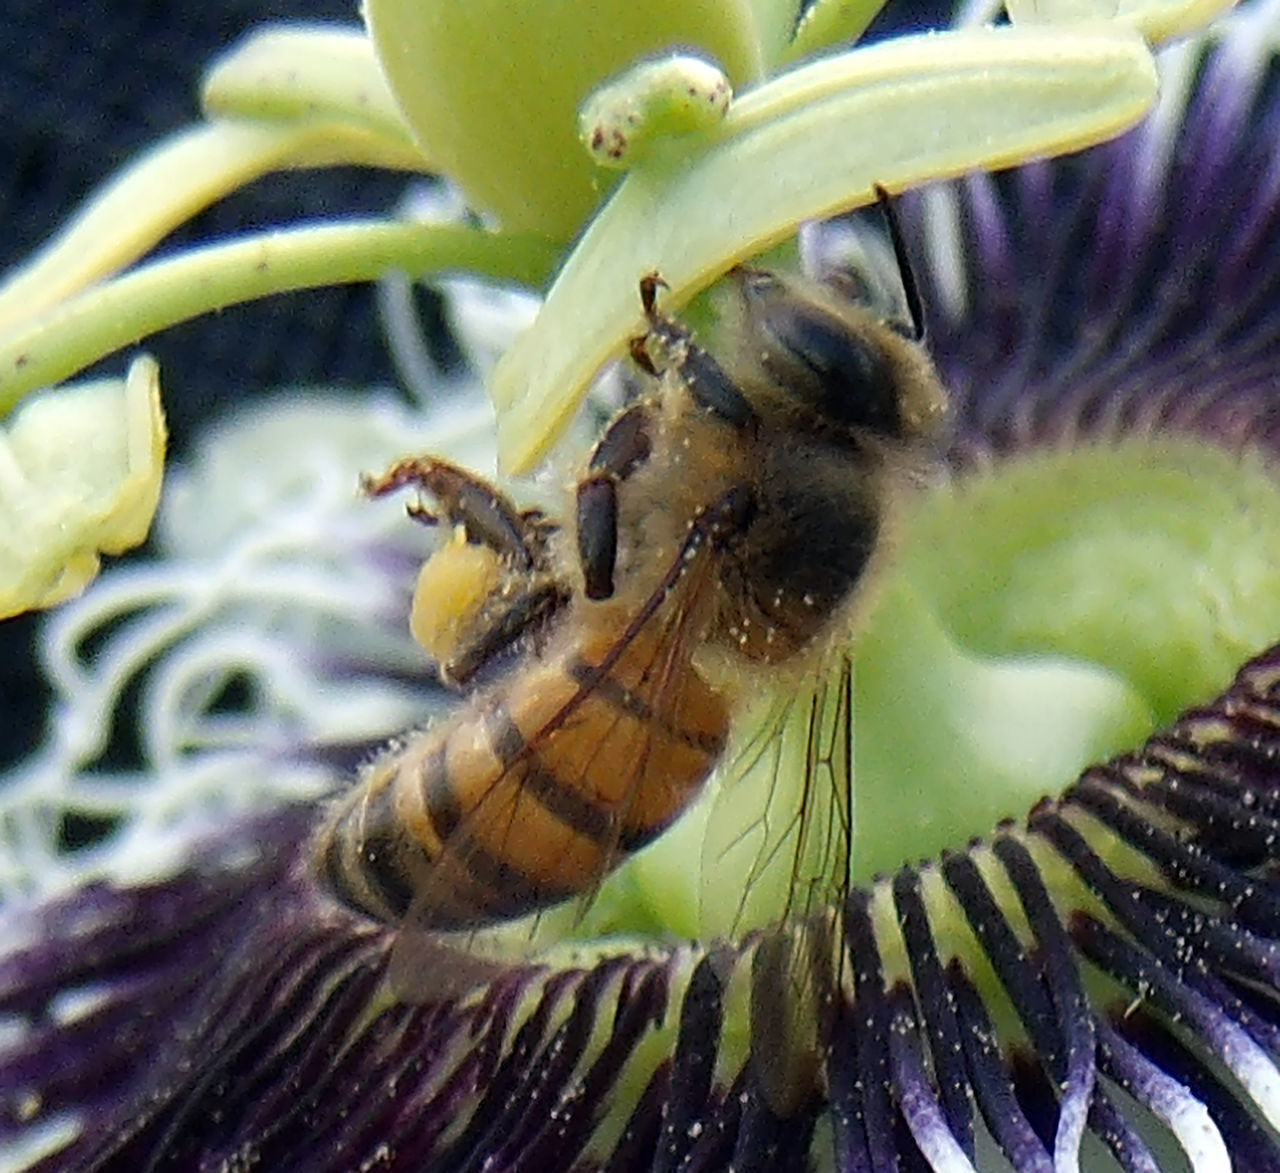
{"points": [[735, 509]]}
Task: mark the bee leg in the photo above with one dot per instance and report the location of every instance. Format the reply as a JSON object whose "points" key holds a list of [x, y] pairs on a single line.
{"points": [[623, 448], [520, 616], [712, 389], [667, 345], [488, 516], [527, 595], [598, 533]]}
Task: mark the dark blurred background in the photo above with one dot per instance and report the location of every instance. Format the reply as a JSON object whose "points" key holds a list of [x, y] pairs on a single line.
{"points": [[84, 87]]}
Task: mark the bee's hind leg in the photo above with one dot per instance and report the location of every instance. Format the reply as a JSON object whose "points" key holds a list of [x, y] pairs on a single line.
{"points": [[463, 631], [488, 516]]}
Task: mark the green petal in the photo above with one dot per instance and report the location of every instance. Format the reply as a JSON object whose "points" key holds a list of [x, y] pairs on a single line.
{"points": [[80, 472], [810, 144], [961, 740]]}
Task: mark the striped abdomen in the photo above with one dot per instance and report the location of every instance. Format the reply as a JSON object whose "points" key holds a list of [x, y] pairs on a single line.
{"points": [[532, 793]]}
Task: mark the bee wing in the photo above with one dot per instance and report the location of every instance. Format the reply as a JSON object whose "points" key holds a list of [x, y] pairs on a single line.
{"points": [[613, 722], [778, 842]]}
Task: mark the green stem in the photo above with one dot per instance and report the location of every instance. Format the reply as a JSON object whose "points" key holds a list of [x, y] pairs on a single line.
{"points": [[169, 184], [110, 316]]}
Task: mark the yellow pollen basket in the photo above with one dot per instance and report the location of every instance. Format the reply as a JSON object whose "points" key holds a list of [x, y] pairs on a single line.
{"points": [[452, 586]]}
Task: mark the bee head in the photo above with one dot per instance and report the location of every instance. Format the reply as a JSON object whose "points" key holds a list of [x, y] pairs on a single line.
{"points": [[839, 364]]}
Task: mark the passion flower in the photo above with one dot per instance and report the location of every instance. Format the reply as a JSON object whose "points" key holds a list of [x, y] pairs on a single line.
{"points": [[1095, 984]]}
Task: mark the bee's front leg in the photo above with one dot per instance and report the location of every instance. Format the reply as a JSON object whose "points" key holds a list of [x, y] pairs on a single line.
{"points": [[668, 346]]}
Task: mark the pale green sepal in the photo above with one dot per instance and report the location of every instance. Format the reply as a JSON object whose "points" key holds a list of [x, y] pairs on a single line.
{"points": [[810, 144], [176, 289], [492, 88], [675, 95], [80, 472], [164, 188], [1155, 559], [294, 73]]}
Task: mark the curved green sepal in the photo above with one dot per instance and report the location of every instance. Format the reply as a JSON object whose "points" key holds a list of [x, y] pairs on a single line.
{"points": [[164, 188], [295, 73]]}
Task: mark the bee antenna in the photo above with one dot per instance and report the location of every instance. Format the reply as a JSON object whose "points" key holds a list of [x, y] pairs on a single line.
{"points": [[910, 289]]}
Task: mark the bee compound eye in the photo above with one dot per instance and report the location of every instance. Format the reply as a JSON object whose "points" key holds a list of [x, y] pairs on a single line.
{"points": [[838, 371]]}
